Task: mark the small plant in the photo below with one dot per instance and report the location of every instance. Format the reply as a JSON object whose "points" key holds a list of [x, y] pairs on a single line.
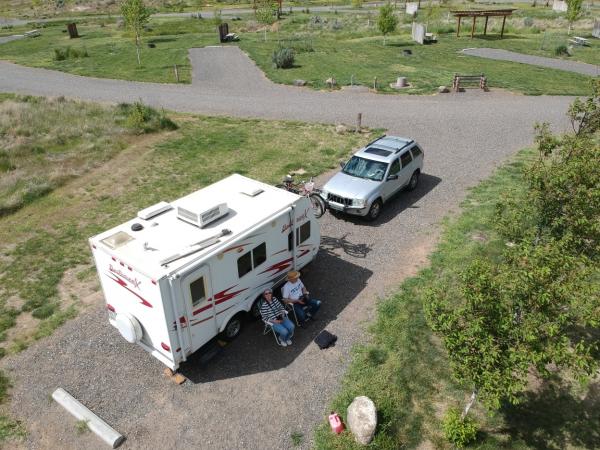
{"points": [[44, 311], [561, 50], [457, 430], [297, 438], [81, 426], [143, 119], [69, 53], [528, 21], [283, 58]]}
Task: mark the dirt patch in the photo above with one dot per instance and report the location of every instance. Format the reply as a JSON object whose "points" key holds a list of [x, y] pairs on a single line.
{"points": [[79, 285], [25, 326]]}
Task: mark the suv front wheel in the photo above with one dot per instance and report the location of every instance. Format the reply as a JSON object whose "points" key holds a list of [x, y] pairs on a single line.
{"points": [[375, 210]]}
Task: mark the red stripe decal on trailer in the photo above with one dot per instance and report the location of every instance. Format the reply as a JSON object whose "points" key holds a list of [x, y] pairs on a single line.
{"points": [[200, 321], [165, 346], [279, 267], [199, 310], [223, 296], [122, 283], [229, 307], [281, 251], [110, 307]]}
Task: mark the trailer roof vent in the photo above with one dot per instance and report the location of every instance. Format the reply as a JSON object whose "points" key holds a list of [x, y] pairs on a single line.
{"points": [[119, 239], [251, 191], [200, 216], [154, 210]]}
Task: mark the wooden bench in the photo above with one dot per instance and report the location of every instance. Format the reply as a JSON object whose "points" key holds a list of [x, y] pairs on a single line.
{"points": [[469, 81]]}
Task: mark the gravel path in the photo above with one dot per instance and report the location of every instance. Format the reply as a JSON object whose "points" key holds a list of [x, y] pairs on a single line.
{"points": [[256, 394], [14, 37], [551, 63]]}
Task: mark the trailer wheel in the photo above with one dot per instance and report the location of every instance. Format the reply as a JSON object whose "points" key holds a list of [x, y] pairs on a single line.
{"points": [[255, 309], [233, 328]]}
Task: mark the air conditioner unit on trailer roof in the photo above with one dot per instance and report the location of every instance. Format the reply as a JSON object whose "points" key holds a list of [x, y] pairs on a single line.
{"points": [[201, 216]]}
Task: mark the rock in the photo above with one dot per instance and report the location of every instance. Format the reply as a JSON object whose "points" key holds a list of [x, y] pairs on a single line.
{"points": [[443, 89], [341, 128], [299, 83], [330, 82], [362, 419]]}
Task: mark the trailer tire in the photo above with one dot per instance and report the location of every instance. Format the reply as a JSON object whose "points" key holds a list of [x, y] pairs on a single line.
{"points": [[254, 312], [233, 328]]}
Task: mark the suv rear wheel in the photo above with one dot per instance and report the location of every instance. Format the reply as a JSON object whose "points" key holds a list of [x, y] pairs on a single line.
{"points": [[414, 180]]}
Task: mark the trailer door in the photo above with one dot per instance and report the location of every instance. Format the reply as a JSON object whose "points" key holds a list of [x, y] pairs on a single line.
{"points": [[202, 325]]}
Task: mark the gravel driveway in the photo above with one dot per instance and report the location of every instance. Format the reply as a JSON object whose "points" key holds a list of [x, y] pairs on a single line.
{"points": [[254, 395], [552, 63]]}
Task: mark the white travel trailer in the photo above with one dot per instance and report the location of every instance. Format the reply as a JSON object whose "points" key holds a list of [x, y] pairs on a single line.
{"points": [[180, 273]]}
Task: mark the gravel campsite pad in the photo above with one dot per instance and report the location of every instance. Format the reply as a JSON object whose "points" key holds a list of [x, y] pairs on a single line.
{"points": [[255, 394]]}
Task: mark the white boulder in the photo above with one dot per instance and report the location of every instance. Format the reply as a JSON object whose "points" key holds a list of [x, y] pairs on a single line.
{"points": [[362, 419]]}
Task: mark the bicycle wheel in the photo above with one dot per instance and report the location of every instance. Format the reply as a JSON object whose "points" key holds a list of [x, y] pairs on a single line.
{"points": [[318, 205]]}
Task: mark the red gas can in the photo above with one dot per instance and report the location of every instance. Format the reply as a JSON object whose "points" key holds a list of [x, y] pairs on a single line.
{"points": [[335, 421]]}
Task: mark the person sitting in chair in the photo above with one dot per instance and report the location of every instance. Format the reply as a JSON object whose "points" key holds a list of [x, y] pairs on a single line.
{"points": [[274, 314], [294, 292]]}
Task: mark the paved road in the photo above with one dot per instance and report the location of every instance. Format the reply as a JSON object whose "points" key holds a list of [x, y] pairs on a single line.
{"points": [[256, 394], [551, 63]]}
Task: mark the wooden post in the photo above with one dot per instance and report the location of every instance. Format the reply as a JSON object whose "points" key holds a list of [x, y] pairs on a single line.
{"points": [[502, 31], [485, 27], [375, 83], [458, 27], [358, 122], [176, 73], [473, 27], [351, 80]]}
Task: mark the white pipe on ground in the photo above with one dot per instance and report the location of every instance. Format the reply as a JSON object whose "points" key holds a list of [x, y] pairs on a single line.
{"points": [[94, 423]]}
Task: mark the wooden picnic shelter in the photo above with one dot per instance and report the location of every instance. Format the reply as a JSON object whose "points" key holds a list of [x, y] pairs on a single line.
{"points": [[487, 13]]}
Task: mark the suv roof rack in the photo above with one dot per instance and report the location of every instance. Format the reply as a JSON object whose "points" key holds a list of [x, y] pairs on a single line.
{"points": [[372, 142], [404, 146]]}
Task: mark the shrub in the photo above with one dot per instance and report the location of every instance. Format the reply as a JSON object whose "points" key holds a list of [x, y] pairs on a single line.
{"points": [[143, 119], [70, 53], [561, 50], [528, 21], [458, 431], [44, 311], [283, 58]]}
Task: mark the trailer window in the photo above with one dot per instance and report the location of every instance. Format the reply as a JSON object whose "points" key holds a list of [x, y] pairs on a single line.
{"points": [[244, 264], [259, 255], [290, 242], [197, 291], [303, 232]]}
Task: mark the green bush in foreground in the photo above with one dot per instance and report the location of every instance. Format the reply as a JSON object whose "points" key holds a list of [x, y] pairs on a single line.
{"points": [[143, 119], [283, 58], [561, 50], [69, 53], [458, 431]]}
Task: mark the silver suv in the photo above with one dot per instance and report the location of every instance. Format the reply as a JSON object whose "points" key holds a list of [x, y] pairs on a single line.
{"points": [[373, 175]]}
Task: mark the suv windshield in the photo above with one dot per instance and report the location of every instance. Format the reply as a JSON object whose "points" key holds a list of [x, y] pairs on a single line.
{"points": [[365, 168]]}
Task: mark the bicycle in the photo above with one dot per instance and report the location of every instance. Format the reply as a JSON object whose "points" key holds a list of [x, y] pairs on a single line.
{"points": [[306, 189]]}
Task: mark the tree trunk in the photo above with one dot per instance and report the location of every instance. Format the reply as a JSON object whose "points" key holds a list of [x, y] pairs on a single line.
{"points": [[468, 407], [137, 49]]}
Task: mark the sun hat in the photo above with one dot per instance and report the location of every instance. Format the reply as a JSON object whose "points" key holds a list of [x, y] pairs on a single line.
{"points": [[293, 275]]}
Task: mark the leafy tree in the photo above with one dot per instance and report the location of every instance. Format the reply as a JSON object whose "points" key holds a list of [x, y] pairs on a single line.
{"points": [[574, 12], [265, 13], [526, 309], [136, 16], [387, 21]]}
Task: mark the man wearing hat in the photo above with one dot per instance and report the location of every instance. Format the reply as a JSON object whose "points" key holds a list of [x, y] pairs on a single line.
{"points": [[294, 292]]}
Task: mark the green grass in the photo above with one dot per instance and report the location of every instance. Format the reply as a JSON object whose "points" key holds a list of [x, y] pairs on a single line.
{"points": [[47, 142], [345, 46], [9, 428], [47, 237], [404, 369]]}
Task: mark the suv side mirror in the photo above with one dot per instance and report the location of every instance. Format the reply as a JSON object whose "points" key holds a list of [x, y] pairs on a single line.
{"points": [[342, 164], [392, 177]]}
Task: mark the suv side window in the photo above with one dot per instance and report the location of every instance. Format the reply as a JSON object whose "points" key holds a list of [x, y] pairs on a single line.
{"points": [[416, 151], [406, 158], [395, 167]]}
